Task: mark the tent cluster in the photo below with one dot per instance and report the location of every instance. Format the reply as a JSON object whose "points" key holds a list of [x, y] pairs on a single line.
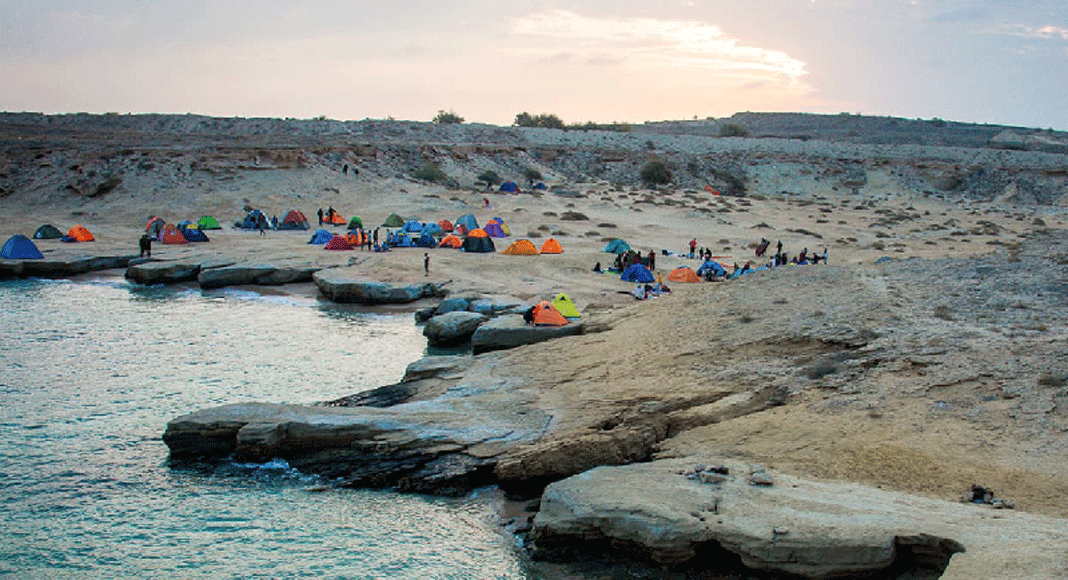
{"points": [[183, 232], [19, 247], [556, 312]]}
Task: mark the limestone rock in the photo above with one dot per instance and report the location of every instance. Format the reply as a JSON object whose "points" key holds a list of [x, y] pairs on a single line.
{"points": [[452, 328], [511, 331], [239, 275], [452, 304], [152, 273], [344, 285]]}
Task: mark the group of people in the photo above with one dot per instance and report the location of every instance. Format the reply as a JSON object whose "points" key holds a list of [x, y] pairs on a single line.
{"points": [[630, 257], [328, 214]]}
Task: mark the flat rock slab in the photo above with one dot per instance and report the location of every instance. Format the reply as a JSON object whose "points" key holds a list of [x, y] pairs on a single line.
{"points": [[345, 285], [794, 526], [152, 273], [253, 274], [511, 331], [61, 268]]}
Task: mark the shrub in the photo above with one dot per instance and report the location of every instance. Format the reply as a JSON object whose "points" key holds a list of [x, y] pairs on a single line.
{"points": [[543, 120], [656, 173], [431, 172], [531, 175], [447, 118], [490, 178], [733, 130]]}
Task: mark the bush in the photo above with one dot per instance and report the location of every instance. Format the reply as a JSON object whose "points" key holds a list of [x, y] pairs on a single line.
{"points": [[543, 120], [531, 174], [431, 172], [733, 130], [490, 178], [447, 118], [655, 173]]}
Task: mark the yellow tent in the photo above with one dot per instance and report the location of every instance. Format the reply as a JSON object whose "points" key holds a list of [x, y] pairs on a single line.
{"points": [[566, 307]]}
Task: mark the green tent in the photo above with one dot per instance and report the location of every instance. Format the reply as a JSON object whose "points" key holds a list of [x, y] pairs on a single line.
{"points": [[47, 232], [393, 221], [617, 247], [208, 223], [355, 223]]}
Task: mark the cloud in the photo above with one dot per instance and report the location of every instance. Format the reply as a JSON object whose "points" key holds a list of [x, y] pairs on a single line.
{"points": [[694, 46], [1046, 32]]}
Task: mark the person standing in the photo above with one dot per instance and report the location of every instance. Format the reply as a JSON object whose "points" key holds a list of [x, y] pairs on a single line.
{"points": [[693, 246], [146, 245], [652, 260], [320, 216], [426, 264], [376, 236]]}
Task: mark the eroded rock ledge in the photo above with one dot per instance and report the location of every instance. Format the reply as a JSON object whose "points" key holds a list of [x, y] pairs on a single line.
{"points": [[346, 285]]}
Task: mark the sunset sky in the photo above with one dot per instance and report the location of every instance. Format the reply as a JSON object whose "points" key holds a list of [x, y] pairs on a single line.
{"points": [[996, 61]]}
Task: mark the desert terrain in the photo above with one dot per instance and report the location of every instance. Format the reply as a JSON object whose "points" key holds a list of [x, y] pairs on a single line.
{"points": [[927, 355]]}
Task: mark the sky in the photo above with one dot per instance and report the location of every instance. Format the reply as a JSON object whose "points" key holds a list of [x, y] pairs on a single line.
{"points": [[986, 61]]}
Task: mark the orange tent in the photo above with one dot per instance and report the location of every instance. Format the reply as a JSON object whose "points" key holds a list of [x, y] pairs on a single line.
{"points": [[151, 222], [335, 219], [551, 246], [521, 248], [479, 233], [545, 314], [451, 241], [445, 225], [171, 235], [356, 238], [683, 274], [80, 234]]}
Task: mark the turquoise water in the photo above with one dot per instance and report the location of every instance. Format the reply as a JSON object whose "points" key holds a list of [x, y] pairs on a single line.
{"points": [[90, 373]]}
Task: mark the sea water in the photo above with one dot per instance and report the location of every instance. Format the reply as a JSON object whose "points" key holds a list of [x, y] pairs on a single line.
{"points": [[90, 373]]}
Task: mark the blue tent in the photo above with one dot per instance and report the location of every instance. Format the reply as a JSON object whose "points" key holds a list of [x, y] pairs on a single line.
{"points": [[433, 229], [617, 247], [194, 235], [253, 219], [509, 186], [540, 185], [320, 237], [468, 221], [716, 269], [637, 273], [413, 226], [19, 247], [400, 240], [426, 241]]}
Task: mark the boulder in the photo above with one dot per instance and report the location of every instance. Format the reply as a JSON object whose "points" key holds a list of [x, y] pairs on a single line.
{"points": [[152, 273], [453, 304], [510, 331], [238, 275], [452, 328], [491, 307], [344, 285]]}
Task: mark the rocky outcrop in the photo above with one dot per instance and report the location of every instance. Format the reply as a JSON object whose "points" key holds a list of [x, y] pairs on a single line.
{"points": [[452, 328], [152, 273], [345, 285], [668, 512], [511, 331], [253, 274], [61, 268]]}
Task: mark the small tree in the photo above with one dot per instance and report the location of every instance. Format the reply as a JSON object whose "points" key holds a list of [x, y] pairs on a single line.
{"points": [[543, 120], [531, 174], [655, 173], [489, 177], [447, 118], [733, 130], [431, 172]]}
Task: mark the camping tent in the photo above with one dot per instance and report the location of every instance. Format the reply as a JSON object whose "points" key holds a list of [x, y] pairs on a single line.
{"points": [[357, 238], [504, 226], [451, 241], [154, 225], [19, 247], [400, 240], [208, 223], [545, 314], [426, 241], [566, 307], [79, 234], [355, 223], [337, 243], [521, 248], [446, 225], [551, 246], [510, 187], [294, 220], [683, 274], [47, 232], [433, 229], [334, 219], [617, 246], [477, 234], [184, 224], [194, 235], [413, 226], [713, 266], [393, 221], [637, 273], [493, 230], [478, 244], [253, 220], [320, 237], [540, 185], [468, 221], [460, 230], [172, 235]]}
